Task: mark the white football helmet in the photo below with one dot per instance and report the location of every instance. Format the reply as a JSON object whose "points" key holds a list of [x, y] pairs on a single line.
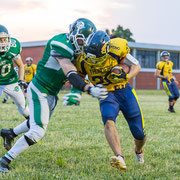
{"points": [[5, 40]]}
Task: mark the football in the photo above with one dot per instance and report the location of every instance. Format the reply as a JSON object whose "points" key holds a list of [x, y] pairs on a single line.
{"points": [[117, 70]]}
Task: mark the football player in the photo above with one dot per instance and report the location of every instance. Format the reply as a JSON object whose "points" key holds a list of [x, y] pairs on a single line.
{"points": [[74, 97], [98, 59], [52, 71], [10, 83], [29, 72], [164, 72]]}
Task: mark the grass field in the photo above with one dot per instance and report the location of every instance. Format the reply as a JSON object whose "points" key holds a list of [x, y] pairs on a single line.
{"points": [[75, 147]]}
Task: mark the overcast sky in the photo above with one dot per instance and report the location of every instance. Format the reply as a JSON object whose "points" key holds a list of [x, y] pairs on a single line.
{"points": [[150, 21]]}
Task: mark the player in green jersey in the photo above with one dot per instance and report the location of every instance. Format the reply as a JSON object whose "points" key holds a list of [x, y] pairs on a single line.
{"points": [[52, 71], [10, 83]]}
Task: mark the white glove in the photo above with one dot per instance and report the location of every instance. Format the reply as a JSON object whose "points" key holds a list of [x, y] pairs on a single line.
{"points": [[98, 92]]}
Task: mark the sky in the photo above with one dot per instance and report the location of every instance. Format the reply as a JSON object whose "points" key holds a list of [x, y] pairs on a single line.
{"points": [[150, 21]]}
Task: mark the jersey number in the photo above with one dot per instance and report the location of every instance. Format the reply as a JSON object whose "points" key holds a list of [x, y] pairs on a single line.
{"points": [[101, 80], [5, 69]]}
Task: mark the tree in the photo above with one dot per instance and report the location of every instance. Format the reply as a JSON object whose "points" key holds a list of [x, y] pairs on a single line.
{"points": [[122, 33]]}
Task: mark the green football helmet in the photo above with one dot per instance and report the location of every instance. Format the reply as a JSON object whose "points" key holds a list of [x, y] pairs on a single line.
{"points": [[79, 31], [5, 40]]}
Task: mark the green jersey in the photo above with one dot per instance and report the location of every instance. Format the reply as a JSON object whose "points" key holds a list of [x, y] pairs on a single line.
{"points": [[49, 77], [7, 73]]}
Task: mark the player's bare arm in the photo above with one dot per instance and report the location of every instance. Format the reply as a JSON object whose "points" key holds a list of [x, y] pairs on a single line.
{"points": [[20, 65], [158, 74], [67, 66], [134, 70]]}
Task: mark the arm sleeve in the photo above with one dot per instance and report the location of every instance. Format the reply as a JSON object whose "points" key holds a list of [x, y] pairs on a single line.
{"points": [[130, 60], [76, 80], [17, 57]]}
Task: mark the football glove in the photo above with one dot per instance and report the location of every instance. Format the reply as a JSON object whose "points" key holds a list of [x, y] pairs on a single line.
{"points": [[72, 99], [119, 77], [98, 92], [22, 84]]}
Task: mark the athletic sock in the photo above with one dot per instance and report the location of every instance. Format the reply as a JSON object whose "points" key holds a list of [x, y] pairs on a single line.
{"points": [[20, 146], [119, 155], [171, 106]]}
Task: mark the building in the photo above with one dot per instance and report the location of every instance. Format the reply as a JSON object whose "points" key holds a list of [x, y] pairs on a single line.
{"points": [[147, 54]]}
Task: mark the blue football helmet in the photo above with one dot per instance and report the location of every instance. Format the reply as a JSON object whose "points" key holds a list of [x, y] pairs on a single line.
{"points": [[5, 40], [164, 55], [79, 31], [96, 47]]}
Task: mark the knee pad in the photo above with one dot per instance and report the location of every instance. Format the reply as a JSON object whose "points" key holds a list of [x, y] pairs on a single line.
{"points": [[171, 99], [34, 135], [175, 98], [29, 141]]}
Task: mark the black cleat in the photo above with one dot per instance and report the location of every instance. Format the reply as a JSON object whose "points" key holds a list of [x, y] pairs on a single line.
{"points": [[171, 110], [8, 137], [4, 166], [78, 103], [4, 101]]}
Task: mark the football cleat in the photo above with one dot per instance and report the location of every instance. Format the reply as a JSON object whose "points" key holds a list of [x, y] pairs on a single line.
{"points": [[139, 157], [3, 166], [118, 162], [171, 110], [4, 100], [8, 138]]}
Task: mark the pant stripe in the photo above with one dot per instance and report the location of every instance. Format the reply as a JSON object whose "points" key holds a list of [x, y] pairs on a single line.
{"points": [[133, 91], [166, 88], [37, 110]]}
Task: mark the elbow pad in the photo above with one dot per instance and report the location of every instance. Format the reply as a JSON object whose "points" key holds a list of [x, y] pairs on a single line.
{"points": [[76, 80]]}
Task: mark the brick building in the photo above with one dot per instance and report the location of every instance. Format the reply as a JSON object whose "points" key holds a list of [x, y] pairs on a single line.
{"points": [[147, 54]]}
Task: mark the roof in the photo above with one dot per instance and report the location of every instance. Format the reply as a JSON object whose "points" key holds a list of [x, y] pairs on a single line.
{"points": [[131, 45]]}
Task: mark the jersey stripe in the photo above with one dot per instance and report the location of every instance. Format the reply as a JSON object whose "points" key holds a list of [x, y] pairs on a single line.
{"points": [[63, 46]]}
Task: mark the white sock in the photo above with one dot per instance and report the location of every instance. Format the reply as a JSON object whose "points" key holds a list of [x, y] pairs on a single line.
{"points": [[21, 128], [20, 146]]}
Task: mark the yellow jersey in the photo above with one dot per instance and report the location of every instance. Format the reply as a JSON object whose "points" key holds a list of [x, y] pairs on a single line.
{"points": [[166, 68], [29, 72], [100, 74]]}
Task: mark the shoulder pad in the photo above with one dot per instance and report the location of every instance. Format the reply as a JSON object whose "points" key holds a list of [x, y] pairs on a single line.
{"points": [[62, 46], [159, 65], [15, 47]]}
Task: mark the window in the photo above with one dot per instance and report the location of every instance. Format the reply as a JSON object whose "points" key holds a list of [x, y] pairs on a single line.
{"points": [[147, 59], [174, 57]]}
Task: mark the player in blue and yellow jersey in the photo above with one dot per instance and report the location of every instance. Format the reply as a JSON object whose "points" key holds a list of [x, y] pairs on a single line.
{"points": [[53, 70], [29, 72], [100, 57], [164, 72]]}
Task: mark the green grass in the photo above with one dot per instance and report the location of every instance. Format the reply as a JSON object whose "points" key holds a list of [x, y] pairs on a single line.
{"points": [[75, 147]]}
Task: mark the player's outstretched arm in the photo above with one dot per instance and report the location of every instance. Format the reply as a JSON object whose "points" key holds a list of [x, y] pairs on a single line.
{"points": [[70, 71]]}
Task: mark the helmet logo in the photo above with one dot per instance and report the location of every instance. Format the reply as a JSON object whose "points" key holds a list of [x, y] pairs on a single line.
{"points": [[105, 48], [80, 25]]}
